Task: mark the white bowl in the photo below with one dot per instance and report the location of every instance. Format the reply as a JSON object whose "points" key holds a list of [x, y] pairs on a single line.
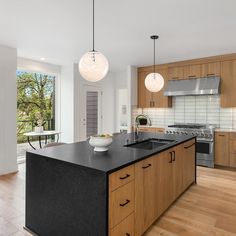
{"points": [[100, 144]]}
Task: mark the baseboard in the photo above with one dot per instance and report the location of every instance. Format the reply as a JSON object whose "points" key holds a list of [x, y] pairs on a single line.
{"points": [[10, 171]]}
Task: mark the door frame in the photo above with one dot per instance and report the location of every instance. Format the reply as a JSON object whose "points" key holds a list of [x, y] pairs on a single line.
{"points": [[86, 88]]}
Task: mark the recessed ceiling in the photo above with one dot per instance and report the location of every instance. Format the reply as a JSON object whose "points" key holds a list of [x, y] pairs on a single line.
{"points": [[61, 31]]}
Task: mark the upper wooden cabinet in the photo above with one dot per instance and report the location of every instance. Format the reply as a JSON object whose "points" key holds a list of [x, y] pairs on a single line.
{"points": [[192, 71], [175, 73], [228, 83], [147, 99], [211, 69]]}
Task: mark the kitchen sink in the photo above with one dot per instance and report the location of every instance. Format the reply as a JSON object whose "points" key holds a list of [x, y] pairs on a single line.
{"points": [[150, 144]]}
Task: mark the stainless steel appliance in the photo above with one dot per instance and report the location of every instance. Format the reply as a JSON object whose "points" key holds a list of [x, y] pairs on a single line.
{"points": [[197, 86], [205, 140]]}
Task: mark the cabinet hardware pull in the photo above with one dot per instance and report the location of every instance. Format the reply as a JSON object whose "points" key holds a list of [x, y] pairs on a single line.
{"points": [[173, 155], [222, 135], [145, 167], [189, 146], [192, 76], [127, 175], [150, 104], [170, 157], [127, 234], [123, 204], [174, 77], [153, 104], [210, 74]]}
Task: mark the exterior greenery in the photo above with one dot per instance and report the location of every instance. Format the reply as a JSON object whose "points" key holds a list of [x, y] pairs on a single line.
{"points": [[35, 100]]}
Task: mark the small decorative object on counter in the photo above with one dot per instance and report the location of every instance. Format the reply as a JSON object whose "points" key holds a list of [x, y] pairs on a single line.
{"points": [[100, 142], [39, 123]]}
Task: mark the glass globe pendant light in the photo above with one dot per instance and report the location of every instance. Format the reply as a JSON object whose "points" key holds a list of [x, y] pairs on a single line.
{"points": [[93, 65], [154, 82]]}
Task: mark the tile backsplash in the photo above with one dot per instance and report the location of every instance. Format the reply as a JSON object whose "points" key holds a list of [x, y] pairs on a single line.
{"points": [[191, 109]]}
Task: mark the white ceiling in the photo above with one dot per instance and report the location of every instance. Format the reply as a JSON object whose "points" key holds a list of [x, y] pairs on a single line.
{"points": [[61, 30]]}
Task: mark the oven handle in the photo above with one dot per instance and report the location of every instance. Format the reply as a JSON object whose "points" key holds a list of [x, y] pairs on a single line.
{"points": [[189, 146]]}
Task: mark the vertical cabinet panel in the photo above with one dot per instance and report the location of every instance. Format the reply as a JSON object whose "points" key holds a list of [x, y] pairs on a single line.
{"points": [[159, 100], [188, 163], [211, 69], [145, 197], [144, 96], [192, 71], [228, 83], [175, 73], [222, 148]]}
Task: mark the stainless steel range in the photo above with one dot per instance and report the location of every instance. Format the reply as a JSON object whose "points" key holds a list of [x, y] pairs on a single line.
{"points": [[205, 140]]}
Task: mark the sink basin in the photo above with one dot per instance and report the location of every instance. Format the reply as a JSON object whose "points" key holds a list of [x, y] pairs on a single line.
{"points": [[150, 144]]}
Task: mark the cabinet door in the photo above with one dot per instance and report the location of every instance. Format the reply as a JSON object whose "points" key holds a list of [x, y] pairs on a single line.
{"points": [[144, 96], [192, 71], [222, 148], [145, 195], [228, 83], [211, 69], [165, 191], [175, 73], [188, 164], [159, 100], [177, 162]]}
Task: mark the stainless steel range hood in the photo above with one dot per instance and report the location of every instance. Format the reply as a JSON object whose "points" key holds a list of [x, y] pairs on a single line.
{"points": [[199, 86]]}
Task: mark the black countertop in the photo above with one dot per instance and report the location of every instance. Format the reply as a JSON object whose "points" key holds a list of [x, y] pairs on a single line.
{"points": [[117, 157]]}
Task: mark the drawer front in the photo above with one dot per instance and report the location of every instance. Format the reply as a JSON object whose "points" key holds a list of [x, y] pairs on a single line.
{"points": [[188, 144], [125, 228], [121, 204], [232, 135], [221, 136], [232, 159], [121, 177]]}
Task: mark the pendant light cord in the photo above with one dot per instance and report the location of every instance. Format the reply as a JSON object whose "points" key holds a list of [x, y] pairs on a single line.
{"points": [[93, 26], [154, 56]]}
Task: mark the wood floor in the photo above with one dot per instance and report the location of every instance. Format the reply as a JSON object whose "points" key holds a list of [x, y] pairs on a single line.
{"points": [[208, 208]]}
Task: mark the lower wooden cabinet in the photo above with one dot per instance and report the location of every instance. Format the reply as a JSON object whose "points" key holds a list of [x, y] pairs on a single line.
{"points": [[188, 164], [151, 129], [145, 194], [125, 228], [154, 184], [222, 148]]}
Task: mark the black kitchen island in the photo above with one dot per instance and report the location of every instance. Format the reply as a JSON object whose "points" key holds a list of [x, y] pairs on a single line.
{"points": [[67, 187]]}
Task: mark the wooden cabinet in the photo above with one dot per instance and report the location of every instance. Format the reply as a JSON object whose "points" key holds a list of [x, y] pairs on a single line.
{"points": [[188, 163], [145, 194], [175, 73], [159, 100], [159, 180], [232, 149], [144, 96], [222, 148], [125, 228], [211, 69], [147, 99], [151, 129], [228, 83], [192, 71]]}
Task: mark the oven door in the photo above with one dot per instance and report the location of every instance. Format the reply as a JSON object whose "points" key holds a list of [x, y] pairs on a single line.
{"points": [[205, 152]]}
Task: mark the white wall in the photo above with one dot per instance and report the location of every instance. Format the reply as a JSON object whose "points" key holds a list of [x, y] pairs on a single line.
{"points": [[67, 103], [8, 65]]}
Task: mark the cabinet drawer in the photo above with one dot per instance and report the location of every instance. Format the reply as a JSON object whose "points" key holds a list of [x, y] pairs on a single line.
{"points": [[121, 177], [189, 144], [232, 135], [121, 204], [125, 228], [221, 135]]}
